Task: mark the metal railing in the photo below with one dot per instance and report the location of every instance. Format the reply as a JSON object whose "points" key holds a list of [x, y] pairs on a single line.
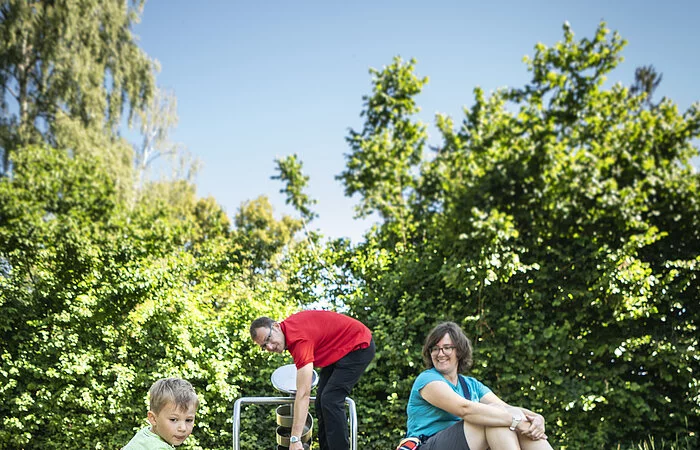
{"points": [[352, 415]]}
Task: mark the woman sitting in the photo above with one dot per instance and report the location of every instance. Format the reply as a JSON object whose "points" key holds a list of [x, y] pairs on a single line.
{"points": [[446, 417]]}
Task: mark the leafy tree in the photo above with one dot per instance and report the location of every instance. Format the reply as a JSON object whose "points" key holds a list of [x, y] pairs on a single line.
{"points": [[289, 172], [98, 300], [68, 68], [155, 121], [313, 276], [558, 224], [101, 291], [646, 80], [389, 147], [261, 238]]}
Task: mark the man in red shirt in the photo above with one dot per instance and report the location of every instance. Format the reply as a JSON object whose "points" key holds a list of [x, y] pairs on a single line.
{"points": [[342, 346]]}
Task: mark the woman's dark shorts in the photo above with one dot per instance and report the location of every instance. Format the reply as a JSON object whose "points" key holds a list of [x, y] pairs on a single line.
{"points": [[451, 438]]}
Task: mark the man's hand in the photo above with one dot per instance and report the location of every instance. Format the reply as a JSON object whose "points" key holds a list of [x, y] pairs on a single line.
{"points": [[296, 446]]}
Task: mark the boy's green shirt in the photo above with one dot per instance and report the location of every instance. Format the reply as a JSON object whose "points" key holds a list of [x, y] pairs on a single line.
{"points": [[146, 439]]}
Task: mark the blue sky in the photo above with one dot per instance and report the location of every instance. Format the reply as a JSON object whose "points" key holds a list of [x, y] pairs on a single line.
{"points": [[257, 81]]}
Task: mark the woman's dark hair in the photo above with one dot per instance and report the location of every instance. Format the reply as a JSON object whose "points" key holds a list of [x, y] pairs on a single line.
{"points": [[463, 346]]}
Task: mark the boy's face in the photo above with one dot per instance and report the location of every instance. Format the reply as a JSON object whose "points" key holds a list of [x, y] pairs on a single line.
{"points": [[173, 425]]}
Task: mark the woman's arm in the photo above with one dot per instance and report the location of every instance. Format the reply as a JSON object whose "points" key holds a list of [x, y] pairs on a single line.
{"points": [[439, 394], [535, 430]]}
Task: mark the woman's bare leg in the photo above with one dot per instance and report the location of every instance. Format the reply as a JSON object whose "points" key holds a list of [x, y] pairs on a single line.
{"points": [[476, 436], [501, 438], [528, 444]]}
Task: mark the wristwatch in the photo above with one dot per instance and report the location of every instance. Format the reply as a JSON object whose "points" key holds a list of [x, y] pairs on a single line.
{"points": [[515, 422], [293, 439]]}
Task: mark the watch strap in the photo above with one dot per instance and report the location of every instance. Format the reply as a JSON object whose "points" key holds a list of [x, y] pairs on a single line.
{"points": [[516, 421]]}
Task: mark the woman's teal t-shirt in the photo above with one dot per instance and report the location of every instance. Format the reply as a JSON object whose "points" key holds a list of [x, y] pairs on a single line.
{"points": [[426, 419]]}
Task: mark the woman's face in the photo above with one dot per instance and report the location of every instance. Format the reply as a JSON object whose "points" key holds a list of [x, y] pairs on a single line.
{"points": [[444, 355]]}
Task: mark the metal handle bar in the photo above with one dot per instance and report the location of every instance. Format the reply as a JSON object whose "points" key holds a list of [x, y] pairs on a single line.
{"points": [[281, 401]]}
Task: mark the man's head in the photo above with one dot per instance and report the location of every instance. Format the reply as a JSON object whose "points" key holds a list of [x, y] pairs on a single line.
{"points": [[172, 408], [268, 335]]}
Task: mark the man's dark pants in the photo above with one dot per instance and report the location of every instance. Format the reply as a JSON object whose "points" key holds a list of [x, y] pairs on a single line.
{"points": [[334, 384]]}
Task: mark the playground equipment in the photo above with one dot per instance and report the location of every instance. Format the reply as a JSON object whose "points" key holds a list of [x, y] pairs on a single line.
{"points": [[284, 380]]}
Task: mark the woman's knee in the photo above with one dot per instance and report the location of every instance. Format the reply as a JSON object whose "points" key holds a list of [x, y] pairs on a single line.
{"points": [[502, 437], [475, 436], [528, 444]]}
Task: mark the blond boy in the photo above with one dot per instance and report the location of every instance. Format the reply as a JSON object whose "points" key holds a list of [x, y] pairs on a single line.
{"points": [[172, 407]]}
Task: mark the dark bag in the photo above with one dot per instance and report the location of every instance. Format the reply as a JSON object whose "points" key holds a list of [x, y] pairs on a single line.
{"points": [[412, 443]]}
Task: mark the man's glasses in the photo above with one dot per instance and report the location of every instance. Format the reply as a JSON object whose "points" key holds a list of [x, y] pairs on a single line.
{"points": [[267, 339], [446, 350]]}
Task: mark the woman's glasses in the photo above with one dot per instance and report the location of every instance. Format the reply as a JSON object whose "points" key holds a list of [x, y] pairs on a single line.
{"points": [[446, 350]]}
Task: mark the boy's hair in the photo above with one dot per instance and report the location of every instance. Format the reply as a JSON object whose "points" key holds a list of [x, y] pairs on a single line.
{"points": [[176, 390]]}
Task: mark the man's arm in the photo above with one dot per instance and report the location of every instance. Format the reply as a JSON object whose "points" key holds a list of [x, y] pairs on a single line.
{"points": [[301, 402]]}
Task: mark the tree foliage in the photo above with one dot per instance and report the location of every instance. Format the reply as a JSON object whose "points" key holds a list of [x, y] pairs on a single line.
{"points": [[155, 121], [558, 224], [289, 172], [98, 300], [68, 68], [646, 80], [389, 147]]}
